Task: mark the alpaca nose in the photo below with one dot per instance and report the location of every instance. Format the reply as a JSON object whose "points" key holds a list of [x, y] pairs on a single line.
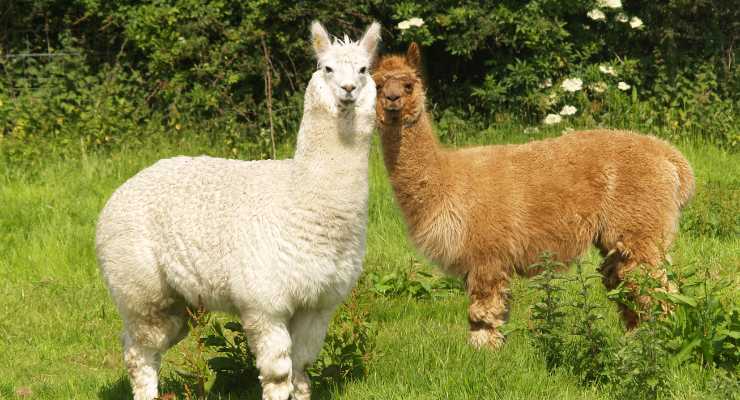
{"points": [[392, 97], [348, 88]]}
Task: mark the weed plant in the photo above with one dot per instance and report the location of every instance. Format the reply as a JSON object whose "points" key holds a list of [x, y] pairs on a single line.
{"points": [[700, 331]]}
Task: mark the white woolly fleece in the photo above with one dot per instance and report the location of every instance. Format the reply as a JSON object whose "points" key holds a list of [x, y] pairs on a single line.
{"points": [[280, 243]]}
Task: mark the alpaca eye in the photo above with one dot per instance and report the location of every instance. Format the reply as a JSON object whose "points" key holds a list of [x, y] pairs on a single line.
{"points": [[328, 70], [408, 87], [363, 70]]}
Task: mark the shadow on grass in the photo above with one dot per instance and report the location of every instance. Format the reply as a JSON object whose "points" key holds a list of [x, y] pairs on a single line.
{"points": [[223, 389], [118, 390]]}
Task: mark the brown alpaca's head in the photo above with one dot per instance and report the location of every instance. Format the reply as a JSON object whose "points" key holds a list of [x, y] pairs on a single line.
{"points": [[400, 89]]}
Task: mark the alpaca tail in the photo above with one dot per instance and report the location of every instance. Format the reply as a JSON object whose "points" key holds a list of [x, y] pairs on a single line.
{"points": [[686, 182]]}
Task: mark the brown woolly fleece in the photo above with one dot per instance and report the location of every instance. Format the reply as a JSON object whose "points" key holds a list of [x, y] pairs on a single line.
{"points": [[489, 212]]}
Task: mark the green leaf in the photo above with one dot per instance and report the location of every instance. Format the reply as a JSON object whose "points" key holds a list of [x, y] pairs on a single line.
{"points": [[677, 298], [732, 334], [685, 352], [213, 341], [222, 363], [234, 326]]}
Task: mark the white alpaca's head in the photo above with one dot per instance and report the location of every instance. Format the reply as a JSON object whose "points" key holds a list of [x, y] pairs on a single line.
{"points": [[343, 74]]}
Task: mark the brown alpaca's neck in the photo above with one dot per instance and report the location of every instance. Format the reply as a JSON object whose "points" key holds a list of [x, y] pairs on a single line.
{"points": [[416, 167]]}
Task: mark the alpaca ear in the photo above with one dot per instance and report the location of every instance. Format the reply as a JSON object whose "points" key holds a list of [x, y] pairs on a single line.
{"points": [[413, 57], [370, 39], [319, 38]]}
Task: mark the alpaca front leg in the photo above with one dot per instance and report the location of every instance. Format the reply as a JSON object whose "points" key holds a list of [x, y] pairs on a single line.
{"points": [[489, 308], [270, 342], [308, 331]]}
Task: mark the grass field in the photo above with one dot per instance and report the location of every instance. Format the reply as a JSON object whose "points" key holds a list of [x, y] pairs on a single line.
{"points": [[59, 331]]}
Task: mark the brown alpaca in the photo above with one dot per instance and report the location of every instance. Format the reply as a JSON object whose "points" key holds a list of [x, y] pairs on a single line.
{"points": [[488, 212]]}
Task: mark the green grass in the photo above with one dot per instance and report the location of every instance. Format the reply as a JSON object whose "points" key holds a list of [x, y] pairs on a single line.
{"points": [[59, 331]]}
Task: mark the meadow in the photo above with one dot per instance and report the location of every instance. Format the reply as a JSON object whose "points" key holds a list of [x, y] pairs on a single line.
{"points": [[59, 330]]}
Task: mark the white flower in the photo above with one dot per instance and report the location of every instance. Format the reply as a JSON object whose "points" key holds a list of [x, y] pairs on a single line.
{"points": [[610, 3], [606, 69], [416, 21], [623, 86], [599, 87], [596, 15], [572, 85], [546, 83], [568, 110], [551, 119], [636, 23], [621, 17]]}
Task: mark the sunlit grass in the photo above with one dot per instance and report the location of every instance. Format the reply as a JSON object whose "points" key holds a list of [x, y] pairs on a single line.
{"points": [[59, 331]]}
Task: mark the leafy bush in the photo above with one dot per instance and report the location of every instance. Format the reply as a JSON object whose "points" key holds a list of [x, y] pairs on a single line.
{"points": [[62, 107]]}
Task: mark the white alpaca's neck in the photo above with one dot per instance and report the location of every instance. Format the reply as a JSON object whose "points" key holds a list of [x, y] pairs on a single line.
{"points": [[325, 136], [333, 140]]}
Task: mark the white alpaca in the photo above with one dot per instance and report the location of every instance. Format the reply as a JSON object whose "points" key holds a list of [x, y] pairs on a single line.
{"points": [[280, 243]]}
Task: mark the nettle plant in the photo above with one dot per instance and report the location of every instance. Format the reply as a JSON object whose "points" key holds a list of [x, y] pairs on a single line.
{"points": [[701, 331]]}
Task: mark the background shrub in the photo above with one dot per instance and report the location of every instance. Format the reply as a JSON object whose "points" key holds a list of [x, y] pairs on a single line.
{"points": [[93, 74]]}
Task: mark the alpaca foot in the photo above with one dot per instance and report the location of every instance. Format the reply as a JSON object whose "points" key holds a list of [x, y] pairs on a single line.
{"points": [[630, 318], [301, 387], [486, 338], [277, 390], [145, 394]]}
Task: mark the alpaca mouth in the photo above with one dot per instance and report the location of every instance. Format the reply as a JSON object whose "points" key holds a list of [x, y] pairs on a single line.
{"points": [[347, 102], [392, 109]]}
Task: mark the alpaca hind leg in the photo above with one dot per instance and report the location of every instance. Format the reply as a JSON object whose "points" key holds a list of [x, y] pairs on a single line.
{"points": [[620, 265], [489, 307], [612, 270], [269, 340], [308, 331], [145, 339]]}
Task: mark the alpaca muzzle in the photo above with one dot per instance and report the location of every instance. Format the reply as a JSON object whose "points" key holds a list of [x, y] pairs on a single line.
{"points": [[392, 103]]}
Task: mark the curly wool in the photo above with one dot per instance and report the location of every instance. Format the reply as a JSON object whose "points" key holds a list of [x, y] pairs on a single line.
{"points": [[280, 243]]}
